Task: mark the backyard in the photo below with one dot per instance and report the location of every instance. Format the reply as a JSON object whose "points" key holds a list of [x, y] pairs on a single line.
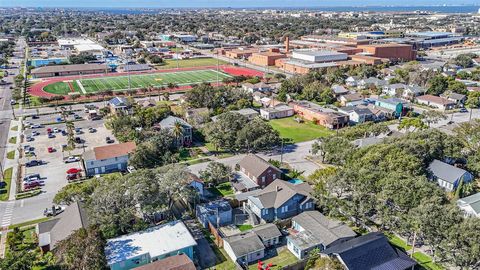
{"points": [[298, 132], [223, 189], [283, 259]]}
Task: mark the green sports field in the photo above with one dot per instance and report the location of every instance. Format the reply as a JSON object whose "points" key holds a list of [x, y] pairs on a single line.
{"points": [[116, 83]]}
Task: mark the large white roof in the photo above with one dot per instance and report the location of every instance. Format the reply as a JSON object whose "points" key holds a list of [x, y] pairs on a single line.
{"points": [[156, 241]]}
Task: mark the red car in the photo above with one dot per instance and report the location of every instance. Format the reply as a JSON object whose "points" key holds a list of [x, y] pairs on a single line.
{"points": [[49, 130], [30, 185], [51, 149]]}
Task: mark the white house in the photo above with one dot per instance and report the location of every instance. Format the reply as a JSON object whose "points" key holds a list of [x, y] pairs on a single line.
{"points": [[108, 158], [395, 89], [275, 112], [244, 248], [470, 205]]}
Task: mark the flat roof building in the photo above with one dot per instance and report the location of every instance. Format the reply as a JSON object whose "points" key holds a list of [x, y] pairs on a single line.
{"points": [[156, 243], [69, 70]]}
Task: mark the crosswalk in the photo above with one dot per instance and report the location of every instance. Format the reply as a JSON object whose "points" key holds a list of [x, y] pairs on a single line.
{"points": [[7, 217]]}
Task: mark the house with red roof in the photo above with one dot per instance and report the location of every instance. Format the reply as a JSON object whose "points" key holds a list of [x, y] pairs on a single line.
{"points": [[108, 158]]}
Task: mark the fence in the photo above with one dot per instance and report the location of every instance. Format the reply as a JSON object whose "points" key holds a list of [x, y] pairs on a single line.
{"points": [[218, 237]]}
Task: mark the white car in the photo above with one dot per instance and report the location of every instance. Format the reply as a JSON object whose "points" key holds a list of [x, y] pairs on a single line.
{"points": [[72, 159], [56, 130]]}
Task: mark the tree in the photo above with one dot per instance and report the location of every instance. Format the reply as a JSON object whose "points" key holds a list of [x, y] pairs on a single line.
{"points": [[415, 123], [156, 151], [20, 260], [177, 131], [82, 250], [462, 244], [223, 132], [464, 60], [216, 173], [437, 85], [257, 135], [334, 150], [432, 116]]}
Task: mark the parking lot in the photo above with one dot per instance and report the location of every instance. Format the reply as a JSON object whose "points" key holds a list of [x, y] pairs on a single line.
{"points": [[53, 171]]}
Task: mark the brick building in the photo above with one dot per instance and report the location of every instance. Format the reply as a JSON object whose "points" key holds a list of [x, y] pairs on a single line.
{"points": [[391, 51], [322, 116]]}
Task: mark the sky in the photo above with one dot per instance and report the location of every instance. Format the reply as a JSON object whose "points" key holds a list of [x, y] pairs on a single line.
{"points": [[225, 3]]}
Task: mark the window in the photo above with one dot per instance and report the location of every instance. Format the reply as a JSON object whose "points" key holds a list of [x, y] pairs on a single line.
{"points": [[263, 179], [274, 176]]}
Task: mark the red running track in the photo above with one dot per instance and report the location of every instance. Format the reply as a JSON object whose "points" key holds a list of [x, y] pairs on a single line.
{"points": [[37, 89]]}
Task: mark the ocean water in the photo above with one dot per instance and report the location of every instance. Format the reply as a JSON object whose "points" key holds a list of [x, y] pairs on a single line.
{"points": [[438, 9]]}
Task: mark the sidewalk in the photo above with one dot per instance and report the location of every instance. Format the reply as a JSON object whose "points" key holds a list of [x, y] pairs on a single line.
{"points": [[13, 163]]}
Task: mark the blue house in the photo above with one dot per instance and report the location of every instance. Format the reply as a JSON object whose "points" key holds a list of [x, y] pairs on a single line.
{"points": [[219, 213], [156, 243], [447, 176], [392, 104], [281, 200]]}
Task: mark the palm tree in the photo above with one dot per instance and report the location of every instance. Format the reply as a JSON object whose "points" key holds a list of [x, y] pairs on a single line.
{"points": [[70, 136], [177, 131]]}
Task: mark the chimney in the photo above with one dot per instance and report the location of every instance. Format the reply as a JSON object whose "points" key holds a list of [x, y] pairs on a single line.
{"points": [[278, 188], [287, 44]]}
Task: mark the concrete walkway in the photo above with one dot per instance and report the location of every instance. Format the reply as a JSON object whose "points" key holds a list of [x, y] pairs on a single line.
{"points": [[13, 163]]}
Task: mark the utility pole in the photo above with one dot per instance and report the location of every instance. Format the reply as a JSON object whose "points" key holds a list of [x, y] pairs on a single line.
{"points": [[281, 153]]}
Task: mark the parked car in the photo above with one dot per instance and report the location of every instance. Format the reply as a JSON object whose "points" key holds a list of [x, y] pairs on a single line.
{"points": [[29, 139], [56, 130], [59, 119], [49, 130], [34, 162], [30, 177], [53, 211], [27, 186], [13, 102], [64, 133], [78, 140], [92, 130], [51, 135], [35, 116], [109, 140], [463, 110], [76, 117], [36, 126], [35, 133], [71, 159], [50, 149]]}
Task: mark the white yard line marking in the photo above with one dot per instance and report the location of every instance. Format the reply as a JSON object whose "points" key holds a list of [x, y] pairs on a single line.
{"points": [[81, 87], [21, 203]]}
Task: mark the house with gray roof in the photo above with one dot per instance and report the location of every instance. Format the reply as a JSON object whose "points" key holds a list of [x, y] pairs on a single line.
{"points": [[470, 205], [170, 123], [244, 248], [395, 89], [268, 233], [218, 213], [413, 90], [119, 105], [339, 90], [276, 112], [52, 231], [357, 114], [312, 230], [370, 251], [247, 112], [447, 176], [281, 200], [459, 99]]}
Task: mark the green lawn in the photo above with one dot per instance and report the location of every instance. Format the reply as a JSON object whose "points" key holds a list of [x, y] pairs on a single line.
{"points": [[28, 223], [11, 154], [283, 259], [396, 241], [194, 62], [298, 132], [225, 263], [12, 140], [244, 227], [115, 83], [14, 128], [5, 190], [223, 189], [426, 262]]}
